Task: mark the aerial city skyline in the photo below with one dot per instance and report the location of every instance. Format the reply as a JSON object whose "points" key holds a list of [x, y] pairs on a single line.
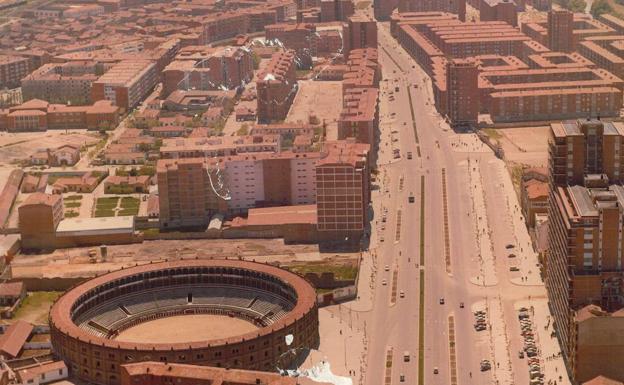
{"points": [[297, 192]]}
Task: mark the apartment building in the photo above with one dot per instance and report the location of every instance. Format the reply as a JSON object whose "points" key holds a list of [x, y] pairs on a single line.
{"points": [[584, 267], [126, 83], [498, 10], [462, 91], [62, 82], [360, 32], [206, 68], [39, 216], [560, 30], [276, 87], [578, 148], [342, 192], [359, 117], [457, 7], [39, 115], [13, 69]]}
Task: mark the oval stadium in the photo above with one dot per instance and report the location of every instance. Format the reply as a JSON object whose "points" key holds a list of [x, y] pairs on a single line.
{"points": [[223, 313]]}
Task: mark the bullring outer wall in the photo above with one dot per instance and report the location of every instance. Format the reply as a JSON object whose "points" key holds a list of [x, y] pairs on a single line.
{"points": [[98, 360]]}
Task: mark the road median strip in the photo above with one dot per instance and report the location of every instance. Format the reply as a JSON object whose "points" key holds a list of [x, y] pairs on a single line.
{"points": [[447, 242]]}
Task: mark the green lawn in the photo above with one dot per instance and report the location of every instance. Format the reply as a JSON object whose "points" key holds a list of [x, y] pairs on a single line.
{"points": [[127, 212], [73, 198], [104, 213], [71, 214], [36, 306], [70, 205]]}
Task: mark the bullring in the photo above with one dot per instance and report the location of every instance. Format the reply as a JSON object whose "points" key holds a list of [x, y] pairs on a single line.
{"points": [[96, 326]]}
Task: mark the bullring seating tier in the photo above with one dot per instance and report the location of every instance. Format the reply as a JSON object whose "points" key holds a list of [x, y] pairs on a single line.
{"points": [[106, 318]]}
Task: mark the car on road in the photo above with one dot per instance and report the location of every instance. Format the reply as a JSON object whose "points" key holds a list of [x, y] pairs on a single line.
{"points": [[411, 198], [384, 282], [485, 365], [402, 294], [396, 89], [387, 268], [435, 370], [381, 239], [520, 354], [402, 377], [514, 268], [409, 155], [511, 256], [441, 301], [509, 246], [461, 305], [406, 356]]}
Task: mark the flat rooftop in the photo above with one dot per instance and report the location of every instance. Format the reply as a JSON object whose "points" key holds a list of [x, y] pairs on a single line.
{"points": [[95, 226]]}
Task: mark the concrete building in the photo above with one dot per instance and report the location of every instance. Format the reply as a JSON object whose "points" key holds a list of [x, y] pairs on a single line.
{"points": [[206, 68], [583, 267], [359, 117], [360, 32], [498, 10], [457, 7], [560, 30], [383, 8], [462, 91], [39, 216], [13, 69], [39, 115], [62, 82], [276, 87], [336, 10], [185, 191], [342, 192], [126, 84], [578, 148]]}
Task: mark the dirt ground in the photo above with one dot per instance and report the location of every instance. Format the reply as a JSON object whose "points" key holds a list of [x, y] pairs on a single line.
{"points": [[75, 263], [36, 307], [186, 328], [16, 146], [525, 145], [321, 99]]}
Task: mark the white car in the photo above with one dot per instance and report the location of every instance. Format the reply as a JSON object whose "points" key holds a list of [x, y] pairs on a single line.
{"points": [[402, 294], [387, 268], [384, 282]]}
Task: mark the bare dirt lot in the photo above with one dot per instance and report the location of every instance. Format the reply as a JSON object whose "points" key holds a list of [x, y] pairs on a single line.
{"points": [[17, 146], [75, 262], [186, 328], [320, 99], [524, 145]]}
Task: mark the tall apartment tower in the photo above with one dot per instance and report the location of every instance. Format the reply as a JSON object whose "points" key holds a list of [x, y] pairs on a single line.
{"points": [[342, 193], [185, 193], [560, 30], [383, 8], [579, 148], [583, 268], [360, 32], [462, 91], [277, 87]]}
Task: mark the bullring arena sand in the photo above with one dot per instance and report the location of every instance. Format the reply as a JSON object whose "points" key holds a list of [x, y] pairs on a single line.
{"points": [[186, 328]]}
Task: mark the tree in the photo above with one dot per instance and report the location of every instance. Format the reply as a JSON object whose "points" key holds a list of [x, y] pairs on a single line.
{"points": [[256, 60], [599, 7], [577, 5]]}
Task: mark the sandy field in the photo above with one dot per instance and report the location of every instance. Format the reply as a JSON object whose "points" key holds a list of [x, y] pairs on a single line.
{"points": [[322, 99], [75, 262], [16, 146], [186, 328], [524, 145]]}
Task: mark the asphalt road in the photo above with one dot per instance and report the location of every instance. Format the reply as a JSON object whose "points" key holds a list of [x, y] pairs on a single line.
{"points": [[396, 325]]}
